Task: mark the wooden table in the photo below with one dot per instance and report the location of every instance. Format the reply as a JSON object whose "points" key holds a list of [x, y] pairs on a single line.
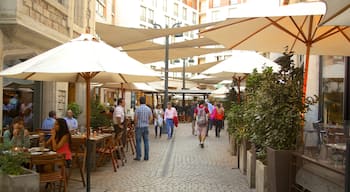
{"points": [[98, 139]]}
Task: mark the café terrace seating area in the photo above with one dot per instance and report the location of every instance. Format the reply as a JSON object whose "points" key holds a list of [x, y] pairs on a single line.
{"points": [[51, 166]]}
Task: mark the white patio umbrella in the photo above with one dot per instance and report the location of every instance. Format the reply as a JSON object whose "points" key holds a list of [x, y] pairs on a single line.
{"points": [[239, 65], [337, 13], [84, 59]]}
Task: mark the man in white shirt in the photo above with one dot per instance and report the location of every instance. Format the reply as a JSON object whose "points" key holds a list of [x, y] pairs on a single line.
{"points": [[118, 119]]}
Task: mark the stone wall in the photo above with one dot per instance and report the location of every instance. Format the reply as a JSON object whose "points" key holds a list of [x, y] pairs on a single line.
{"points": [[52, 15]]}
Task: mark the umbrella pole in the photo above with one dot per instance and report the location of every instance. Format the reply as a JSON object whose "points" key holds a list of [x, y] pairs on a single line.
{"points": [[88, 142]]}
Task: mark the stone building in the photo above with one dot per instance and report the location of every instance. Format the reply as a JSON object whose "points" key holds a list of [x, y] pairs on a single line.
{"points": [[30, 27]]}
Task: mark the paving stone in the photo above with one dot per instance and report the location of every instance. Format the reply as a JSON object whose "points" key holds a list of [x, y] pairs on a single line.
{"points": [[175, 165]]}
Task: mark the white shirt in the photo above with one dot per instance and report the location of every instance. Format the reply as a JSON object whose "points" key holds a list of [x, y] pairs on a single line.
{"points": [[118, 112]]}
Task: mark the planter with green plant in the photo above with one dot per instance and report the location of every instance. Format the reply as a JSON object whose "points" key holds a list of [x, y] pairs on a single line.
{"points": [[99, 115], [76, 109], [277, 117], [13, 176]]}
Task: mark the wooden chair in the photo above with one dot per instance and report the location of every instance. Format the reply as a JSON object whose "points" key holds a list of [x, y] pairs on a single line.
{"points": [[107, 150], [130, 137], [119, 148], [78, 149], [57, 171]]}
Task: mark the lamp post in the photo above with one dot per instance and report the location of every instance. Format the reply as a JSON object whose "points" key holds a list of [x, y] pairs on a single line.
{"points": [[166, 67], [166, 62], [183, 83]]}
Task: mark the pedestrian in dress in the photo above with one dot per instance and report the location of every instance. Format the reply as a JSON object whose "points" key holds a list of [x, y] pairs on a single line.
{"points": [[158, 120], [142, 118]]}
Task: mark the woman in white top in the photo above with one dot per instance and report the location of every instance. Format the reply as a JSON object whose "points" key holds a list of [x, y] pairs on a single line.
{"points": [[158, 119]]}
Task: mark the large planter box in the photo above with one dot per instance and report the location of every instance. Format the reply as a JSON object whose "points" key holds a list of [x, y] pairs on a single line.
{"points": [[261, 177], [251, 168], [233, 145], [243, 157], [27, 182], [278, 162]]}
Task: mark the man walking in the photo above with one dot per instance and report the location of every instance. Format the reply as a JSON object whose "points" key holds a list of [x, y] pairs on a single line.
{"points": [[118, 119], [142, 117]]}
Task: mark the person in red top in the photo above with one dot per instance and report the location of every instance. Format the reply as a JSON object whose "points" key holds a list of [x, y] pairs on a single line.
{"points": [[61, 140], [201, 113], [219, 119]]}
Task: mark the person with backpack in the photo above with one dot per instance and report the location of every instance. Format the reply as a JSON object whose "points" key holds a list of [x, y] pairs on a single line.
{"points": [[201, 113]]}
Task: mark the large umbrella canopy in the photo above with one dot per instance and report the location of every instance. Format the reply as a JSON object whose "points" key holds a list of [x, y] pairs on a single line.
{"points": [[239, 65], [81, 57], [287, 28], [338, 13]]}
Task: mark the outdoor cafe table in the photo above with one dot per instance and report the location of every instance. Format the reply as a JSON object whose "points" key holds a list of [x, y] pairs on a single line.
{"points": [[98, 139]]}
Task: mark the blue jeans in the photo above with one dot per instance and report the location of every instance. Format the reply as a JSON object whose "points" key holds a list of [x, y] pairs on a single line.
{"points": [[142, 132], [170, 127]]}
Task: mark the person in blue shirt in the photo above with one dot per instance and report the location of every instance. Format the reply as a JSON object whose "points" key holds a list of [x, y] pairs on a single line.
{"points": [[49, 122], [71, 121]]}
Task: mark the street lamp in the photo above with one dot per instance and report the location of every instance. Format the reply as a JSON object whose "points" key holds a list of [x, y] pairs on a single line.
{"points": [[183, 83], [166, 61]]}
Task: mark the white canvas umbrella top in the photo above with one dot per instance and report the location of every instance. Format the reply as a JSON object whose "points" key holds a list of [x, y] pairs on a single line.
{"points": [[82, 55], [241, 63], [338, 13]]}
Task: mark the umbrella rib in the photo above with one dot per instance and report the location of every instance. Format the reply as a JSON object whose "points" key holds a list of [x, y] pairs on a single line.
{"points": [[254, 33], [121, 76], [26, 78], [285, 30], [332, 31]]}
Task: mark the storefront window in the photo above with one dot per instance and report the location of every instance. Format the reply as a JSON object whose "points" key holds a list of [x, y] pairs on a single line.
{"points": [[333, 89]]}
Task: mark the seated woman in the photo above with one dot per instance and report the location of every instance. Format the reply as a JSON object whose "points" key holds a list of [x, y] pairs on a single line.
{"points": [[61, 140], [16, 135]]}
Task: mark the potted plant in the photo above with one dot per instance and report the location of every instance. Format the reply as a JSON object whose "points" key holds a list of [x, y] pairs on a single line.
{"points": [[99, 115], [277, 119], [13, 176], [75, 109]]}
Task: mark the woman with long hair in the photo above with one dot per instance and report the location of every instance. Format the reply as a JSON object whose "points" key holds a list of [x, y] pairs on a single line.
{"points": [[16, 135], [61, 139]]}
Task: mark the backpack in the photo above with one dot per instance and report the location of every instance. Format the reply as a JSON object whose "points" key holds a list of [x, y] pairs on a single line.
{"points": [[201, 117]]}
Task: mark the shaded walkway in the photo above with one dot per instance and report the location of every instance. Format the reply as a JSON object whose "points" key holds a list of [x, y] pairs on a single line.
{"points": [[174, 165]]}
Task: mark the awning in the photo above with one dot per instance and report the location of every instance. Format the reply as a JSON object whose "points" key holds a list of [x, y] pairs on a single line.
{"points": [[193, 69], [117, 36], [131, 86], [150, 56], [149, 45]]}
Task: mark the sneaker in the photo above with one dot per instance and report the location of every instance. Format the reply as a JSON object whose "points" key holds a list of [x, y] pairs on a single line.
{"points": [[202, 145]]}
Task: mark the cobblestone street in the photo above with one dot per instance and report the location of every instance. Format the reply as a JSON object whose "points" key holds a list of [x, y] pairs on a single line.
{"points": [[178, 164]]}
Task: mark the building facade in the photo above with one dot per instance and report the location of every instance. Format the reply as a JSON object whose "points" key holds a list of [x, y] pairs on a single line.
{"points": [[30, 27]]}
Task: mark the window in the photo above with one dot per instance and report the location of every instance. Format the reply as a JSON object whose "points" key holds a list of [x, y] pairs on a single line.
{"points": [[154, 3], [215, 15], [233, 2], [176, 9], [143, 14], [165, 5], [184, 13], [150, 16], [216, 3], [194, 18], [79, 13], [101, 7], [167, 21], [332, 88]]}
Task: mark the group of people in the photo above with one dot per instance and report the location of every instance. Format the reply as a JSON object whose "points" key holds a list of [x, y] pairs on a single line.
{"points": [[59, 137], [205, 116]]}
